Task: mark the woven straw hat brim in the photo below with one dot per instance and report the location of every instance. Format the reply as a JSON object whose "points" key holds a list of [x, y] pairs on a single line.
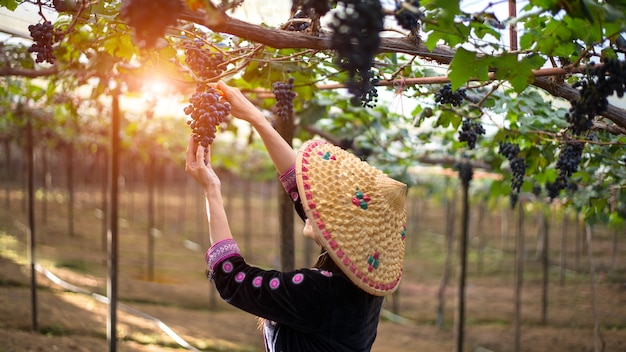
{"points": [[358, 214]]}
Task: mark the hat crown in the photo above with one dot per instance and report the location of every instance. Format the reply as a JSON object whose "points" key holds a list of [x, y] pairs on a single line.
{"points": [[358, 214]]}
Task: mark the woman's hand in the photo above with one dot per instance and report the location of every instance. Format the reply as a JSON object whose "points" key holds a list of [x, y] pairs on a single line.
{"points": [[241, 107], [198, 165]]}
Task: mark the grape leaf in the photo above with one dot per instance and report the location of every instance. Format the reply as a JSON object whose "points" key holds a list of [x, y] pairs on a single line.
{"points": [[466, 65]]}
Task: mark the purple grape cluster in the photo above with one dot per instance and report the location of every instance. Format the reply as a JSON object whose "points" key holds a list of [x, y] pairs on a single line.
{"points": [[296, 26], [207, 110], [470, 130], [283, 91], [518, 166], [599, 82], [447, 96], [43, 38], [369, 98], [408, 14], [204, 63], [567, 164], [356, 39], [150, 18]]}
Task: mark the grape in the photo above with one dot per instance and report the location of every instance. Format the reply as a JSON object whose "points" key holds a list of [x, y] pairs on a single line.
{"points": [[567, 164], [207, 110], [356, 39], [599, 82], [517, 164], [447, 96], [150, 18], [469, 132], [43, 38], [204, 63], [284, 98], [298, 26], [408, 14], [369, 98]]}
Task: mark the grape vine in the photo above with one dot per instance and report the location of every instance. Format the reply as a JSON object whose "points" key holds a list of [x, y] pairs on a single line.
{"points": [[150, 18], [284, 97], [207, 110], [356, 30]]}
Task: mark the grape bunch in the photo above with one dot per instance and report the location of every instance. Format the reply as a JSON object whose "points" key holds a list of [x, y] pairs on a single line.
{"points": [[284, 98], [204, 63], [207, 110], [470, 130], [298, 26], [567, 164], [447, 96], [600, 82], [369, 98], [150, 18], [518, 166], [356, 27], [408, 14], [43, 38]]}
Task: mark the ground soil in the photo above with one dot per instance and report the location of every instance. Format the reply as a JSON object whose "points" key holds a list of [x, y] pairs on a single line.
{"points": [[179, 296]]}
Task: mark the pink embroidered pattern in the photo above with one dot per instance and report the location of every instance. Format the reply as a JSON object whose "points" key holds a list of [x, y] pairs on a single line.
{"points": [[274, 283], [219, 251], [298, 278], [239, 277], [257, 281], [227, 266]]}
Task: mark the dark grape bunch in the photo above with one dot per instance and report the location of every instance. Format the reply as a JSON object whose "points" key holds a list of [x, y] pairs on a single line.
{"points": [[518, 166], [567, 164], [283, 91], [356, 27], [600, 82], [466, 171], [447, 96], [150, 18], [204, 63], [207, 110], [369, 98], [408, 14], [296, 26], [470, 130], [43, 38]]}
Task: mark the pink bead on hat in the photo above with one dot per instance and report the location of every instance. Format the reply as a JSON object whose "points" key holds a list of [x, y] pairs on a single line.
{"points": [[357, 212]]}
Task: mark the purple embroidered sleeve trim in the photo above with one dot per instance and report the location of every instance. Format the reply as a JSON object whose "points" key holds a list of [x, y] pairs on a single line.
{"points": [[219, 251], [288, 179]]}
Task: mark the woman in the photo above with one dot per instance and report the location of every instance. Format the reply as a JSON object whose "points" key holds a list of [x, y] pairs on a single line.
{"points": [[352, 210]]}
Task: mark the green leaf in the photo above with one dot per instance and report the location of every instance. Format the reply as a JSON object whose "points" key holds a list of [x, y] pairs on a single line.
{"points": [[9, 4], [518, 73], [467, 65]]}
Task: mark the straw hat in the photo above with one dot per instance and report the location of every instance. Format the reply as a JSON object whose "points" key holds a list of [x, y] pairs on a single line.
{"points": [[357, 212]]}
